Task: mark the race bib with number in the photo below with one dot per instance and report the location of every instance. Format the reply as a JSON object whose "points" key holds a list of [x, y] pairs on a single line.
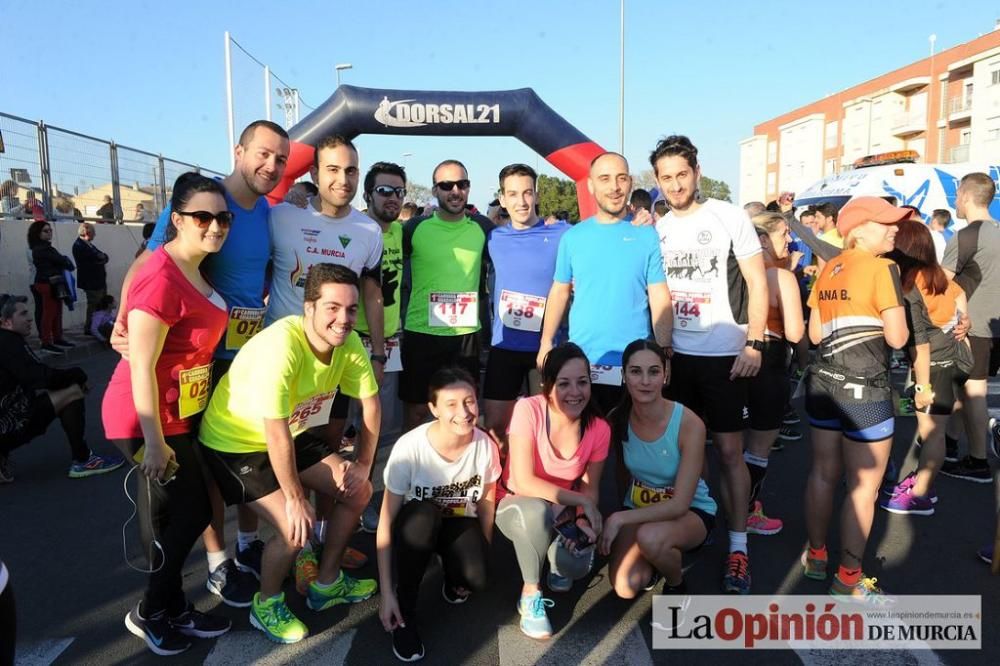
{"points": [[394, 360], [692, 310], [609, 375], [521, 311], [311, 413], [244, 323], [644, 495], [455, 507], [453, 309], [195, 386]]}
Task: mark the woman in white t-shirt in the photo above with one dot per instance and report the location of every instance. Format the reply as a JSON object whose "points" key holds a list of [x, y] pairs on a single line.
{"points": [[440, 483], [547, 499]]}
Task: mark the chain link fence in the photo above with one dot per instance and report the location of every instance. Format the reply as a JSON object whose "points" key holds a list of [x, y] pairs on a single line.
{"points": [[61, 174]]}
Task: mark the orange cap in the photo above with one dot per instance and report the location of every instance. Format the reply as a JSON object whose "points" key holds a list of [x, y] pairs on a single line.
{"points": [[859, 210]]}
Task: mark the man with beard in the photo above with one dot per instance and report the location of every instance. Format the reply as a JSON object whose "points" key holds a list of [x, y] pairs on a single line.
{"points": [[719, 321], [237, 272], [446, 252], [614, 271]]}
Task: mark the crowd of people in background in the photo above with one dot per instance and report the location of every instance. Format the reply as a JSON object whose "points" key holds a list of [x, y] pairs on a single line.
{"points": [[527, 352]]}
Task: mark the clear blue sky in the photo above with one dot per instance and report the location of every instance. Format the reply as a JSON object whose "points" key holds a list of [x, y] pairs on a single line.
{"points": [[150, 74]]}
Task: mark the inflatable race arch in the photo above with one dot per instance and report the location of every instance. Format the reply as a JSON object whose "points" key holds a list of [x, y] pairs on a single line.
{"points": [[352, 111]]}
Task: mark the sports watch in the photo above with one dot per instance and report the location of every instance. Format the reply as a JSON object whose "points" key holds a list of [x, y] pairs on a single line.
{"points": [[381, 358], [756, 345]]}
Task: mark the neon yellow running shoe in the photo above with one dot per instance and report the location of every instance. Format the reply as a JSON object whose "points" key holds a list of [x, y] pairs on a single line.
{"points": [[344, 590], [276, 621], [866, 592]]}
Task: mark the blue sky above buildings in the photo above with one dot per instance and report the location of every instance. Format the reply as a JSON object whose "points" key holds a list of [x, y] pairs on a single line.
{"points": [[150, 74]]}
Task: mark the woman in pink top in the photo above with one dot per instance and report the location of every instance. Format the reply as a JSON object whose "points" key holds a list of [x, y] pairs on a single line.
{"points": [[548, 492]]}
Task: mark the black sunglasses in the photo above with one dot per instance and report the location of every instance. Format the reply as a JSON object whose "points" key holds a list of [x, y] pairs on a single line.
{"points": [[203, 218], [449, 185], [386, 190]]}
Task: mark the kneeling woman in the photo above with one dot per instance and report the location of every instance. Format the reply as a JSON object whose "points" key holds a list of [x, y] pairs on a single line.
{"points": [[440, 483], [175, 320], [668, 509], [557, 448]]}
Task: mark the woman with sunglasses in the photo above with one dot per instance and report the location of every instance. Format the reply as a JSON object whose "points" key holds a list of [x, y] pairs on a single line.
{"points": [[934, 305], [175, 321]]}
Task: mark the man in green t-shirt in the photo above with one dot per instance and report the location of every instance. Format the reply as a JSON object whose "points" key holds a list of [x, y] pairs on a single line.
{"points": [[261, 449], [445, 252]]}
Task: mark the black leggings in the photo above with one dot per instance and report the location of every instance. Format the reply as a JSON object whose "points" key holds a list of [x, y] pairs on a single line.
{"points": [[8, 624], [175, 515], [418, 532]]}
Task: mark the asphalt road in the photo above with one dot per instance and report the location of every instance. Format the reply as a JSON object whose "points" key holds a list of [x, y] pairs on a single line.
{"points": [[62, 541]]}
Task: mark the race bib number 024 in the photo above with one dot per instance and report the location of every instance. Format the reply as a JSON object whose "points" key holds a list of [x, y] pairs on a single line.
{"points": [[194, 388], [453, 309], [244, 323], [311, 412], [692, 311], [521, 311], [643, 495]]}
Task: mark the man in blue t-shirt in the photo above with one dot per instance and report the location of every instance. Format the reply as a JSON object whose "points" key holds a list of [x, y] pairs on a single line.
{"points": [[524, 260], [238, 273], [614, 272]]}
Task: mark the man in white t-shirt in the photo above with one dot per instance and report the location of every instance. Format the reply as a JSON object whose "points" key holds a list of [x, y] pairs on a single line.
{"points": [[715, 272]]}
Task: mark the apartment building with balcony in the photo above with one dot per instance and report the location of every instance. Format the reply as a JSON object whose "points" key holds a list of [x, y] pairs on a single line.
{"points": [[945, 107]]}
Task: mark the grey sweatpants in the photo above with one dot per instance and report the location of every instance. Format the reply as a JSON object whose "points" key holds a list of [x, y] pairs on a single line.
{"points": [[527, 522]]}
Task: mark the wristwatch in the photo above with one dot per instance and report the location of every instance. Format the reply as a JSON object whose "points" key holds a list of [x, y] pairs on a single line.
{"points": [[381, 358], [922, 388], [756, 345]]}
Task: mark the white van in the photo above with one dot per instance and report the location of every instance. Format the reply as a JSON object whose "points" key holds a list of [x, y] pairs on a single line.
{"points": [[896, 178]]}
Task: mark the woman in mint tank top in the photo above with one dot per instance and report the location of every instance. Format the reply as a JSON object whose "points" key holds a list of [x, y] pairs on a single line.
{"points": [[667, 507]]}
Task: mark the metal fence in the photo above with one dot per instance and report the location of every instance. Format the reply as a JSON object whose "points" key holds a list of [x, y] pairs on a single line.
{"points": [[74, 175]]}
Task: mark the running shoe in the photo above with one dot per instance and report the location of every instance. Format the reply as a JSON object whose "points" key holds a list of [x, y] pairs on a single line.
{"points": [[64, 343], [406, 643], [995, 439], [452, 596], [344, 590], [534, 620], [865, 592], [200, 625], [6, 469], [967, 470], [778, 445], [558, 583], [758, 523], [813, 567], [654, 579], [248, 559], [789, 434], [353, 558], [236, 587], [307, 567], [52, 348], [95, 464], [906, 503], [950, 452], [737, 578], [791, 418], [276, 621], [369, 519], [905, 485], [986, 555], [156, 630]]}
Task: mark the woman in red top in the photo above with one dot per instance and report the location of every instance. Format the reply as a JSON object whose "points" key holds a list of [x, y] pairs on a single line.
{"points": [[175, 321], [934, 305]]}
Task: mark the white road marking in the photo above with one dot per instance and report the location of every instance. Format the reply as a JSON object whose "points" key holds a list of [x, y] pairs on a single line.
{"points": [[251, 648], [40, 653]]}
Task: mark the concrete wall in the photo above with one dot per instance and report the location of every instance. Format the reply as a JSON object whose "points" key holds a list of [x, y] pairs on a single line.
{"points": [[119, 242]]}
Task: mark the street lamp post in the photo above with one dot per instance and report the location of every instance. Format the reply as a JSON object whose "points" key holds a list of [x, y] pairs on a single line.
{"points": [[405, 157], [341, 67]]}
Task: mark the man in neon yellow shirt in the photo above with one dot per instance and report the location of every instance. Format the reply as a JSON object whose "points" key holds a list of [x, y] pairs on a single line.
{"points": [[259, 447]]}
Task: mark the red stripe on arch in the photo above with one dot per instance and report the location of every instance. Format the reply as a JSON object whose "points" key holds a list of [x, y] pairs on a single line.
{"points": [[574, 161]]}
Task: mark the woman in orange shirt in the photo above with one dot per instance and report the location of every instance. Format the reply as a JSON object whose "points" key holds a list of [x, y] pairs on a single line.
{"points": [[857, 315], [934, 305]]}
